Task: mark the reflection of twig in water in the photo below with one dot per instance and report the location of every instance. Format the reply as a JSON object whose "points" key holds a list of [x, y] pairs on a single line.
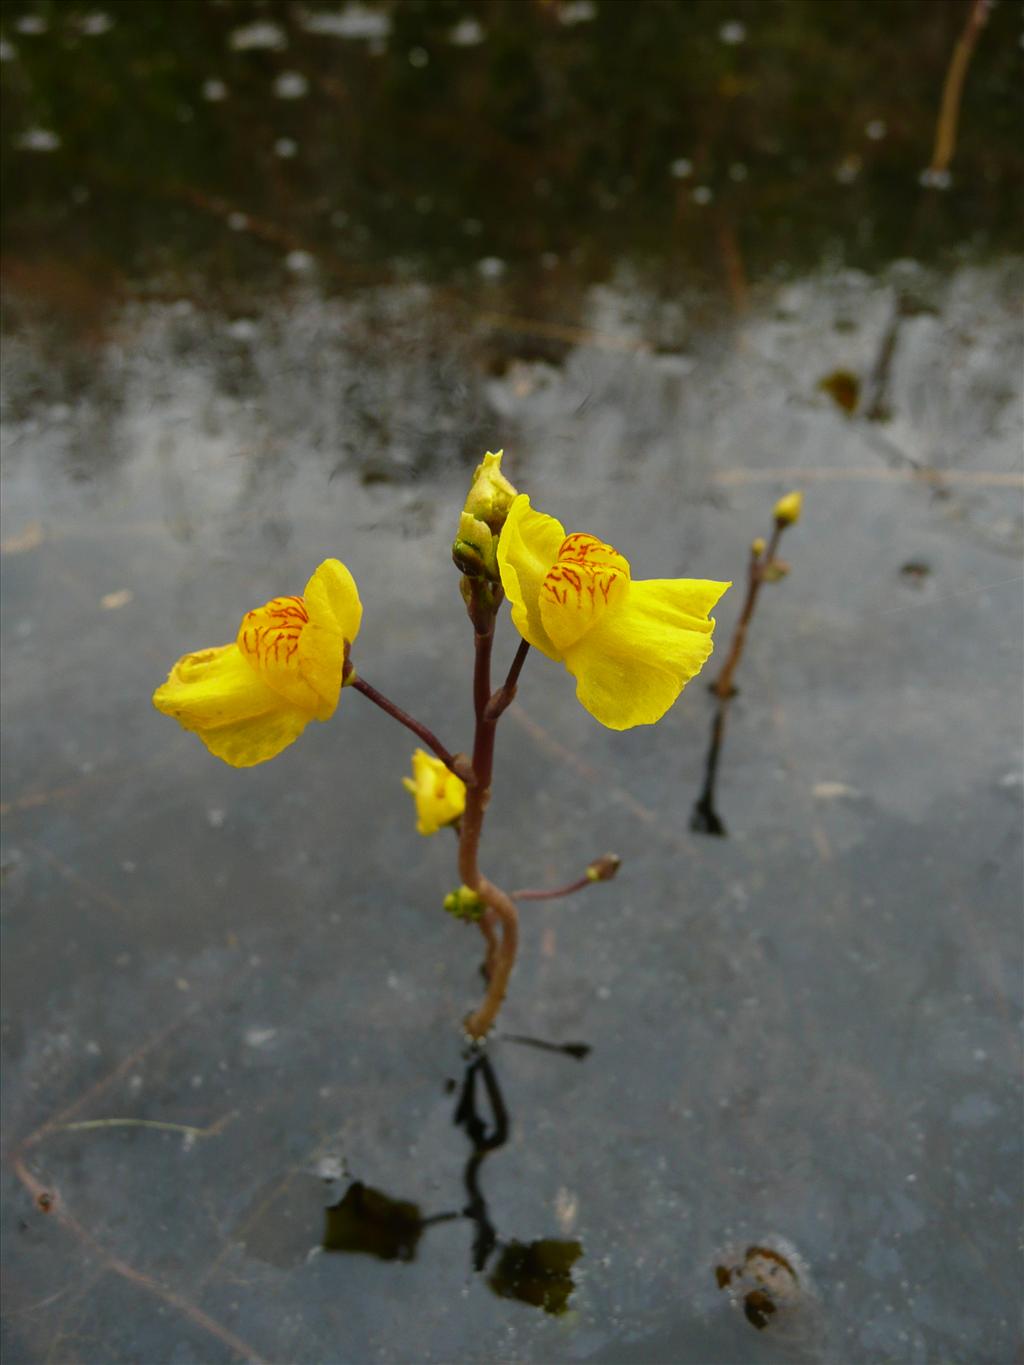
{"points": [[953, 89], [579, 1051], [705, 818], [484, 1142]]}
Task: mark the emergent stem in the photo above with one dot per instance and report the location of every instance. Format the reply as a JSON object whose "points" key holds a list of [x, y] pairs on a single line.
{"points": [[478, 1024], [723, 687], [456, 762], [501, 911]]}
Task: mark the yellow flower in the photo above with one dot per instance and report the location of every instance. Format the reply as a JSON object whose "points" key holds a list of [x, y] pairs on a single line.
{"points": [[440, 796], [787, 509], [631, 646], [249, 700]]}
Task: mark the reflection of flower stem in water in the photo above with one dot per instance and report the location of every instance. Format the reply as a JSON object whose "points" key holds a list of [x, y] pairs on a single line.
{"points": [[763, 567], [539, 1272], [484, 1142], [370, 1222], [953, 90]]}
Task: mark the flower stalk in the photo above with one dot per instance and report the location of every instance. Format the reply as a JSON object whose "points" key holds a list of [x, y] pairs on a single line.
{"points": [[763, 566], [500, 923], [456, 763]]}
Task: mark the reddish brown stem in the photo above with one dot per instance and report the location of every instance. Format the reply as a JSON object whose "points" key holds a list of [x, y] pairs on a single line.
{"points": [[555, 893], [503, 698], [722, 687], [601, 870], [456, 762], [500, 909]]}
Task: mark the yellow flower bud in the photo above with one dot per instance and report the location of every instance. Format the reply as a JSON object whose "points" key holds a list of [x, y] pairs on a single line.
{"points": [[464, 904], [491, 494], [787, 509], [757, 547]]}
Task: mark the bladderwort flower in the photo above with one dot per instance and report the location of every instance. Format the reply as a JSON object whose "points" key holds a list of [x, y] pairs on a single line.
{"points": [[632, 646], [249, 700], [440, 796]]}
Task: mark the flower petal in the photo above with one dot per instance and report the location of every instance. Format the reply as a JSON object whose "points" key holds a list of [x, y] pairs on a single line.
{"points": [[335, 612], [217, 694], [253, 741], [528, 547], [585, 580], [269, 641], [632, 665], [331, 596]]}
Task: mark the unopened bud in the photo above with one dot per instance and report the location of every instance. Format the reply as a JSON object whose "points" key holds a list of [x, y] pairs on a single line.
{"points": [[475, 549], [604, 869], [757, 547], [787, 509], [775, 571], [490, 494], [464, 904]]}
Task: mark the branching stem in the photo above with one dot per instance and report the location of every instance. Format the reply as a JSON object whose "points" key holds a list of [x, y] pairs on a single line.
{"points": [[456, 762]]}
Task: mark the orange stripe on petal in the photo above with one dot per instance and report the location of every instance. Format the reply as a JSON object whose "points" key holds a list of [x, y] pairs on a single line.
{"points": [[587, 578], [269, 642]]}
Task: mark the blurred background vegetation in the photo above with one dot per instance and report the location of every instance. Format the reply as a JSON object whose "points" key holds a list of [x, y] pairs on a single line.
{"points": [[148, 143]]}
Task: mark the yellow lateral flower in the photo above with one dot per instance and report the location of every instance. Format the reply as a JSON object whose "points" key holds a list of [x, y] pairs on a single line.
{"points": [[440, 796], [787, 509], [249, 700], [631, 646]]}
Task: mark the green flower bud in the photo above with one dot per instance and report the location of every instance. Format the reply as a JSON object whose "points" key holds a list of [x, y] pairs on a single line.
{"points": [[475, 550], [491, 494], [464, 904]]}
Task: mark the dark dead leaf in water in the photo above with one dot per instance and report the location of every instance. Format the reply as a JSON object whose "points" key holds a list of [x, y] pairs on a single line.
{"points": [[843, 387], [372, 1223], [915, 571], [538, 1273], [758, 1308]]}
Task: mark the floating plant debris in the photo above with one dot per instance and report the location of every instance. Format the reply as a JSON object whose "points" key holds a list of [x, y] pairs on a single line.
{"points": [[537, 1273], [762, 1283], [367, 1221], [843, 387]]}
